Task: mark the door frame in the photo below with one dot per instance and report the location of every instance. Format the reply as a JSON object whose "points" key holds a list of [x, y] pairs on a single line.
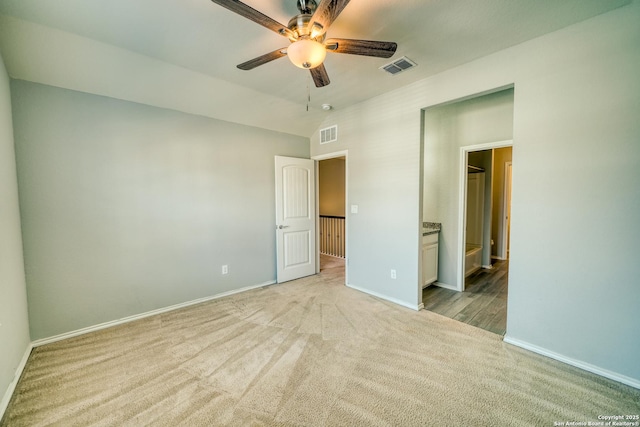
{"points": [[327, 156], [462, 202], [506, 207]]}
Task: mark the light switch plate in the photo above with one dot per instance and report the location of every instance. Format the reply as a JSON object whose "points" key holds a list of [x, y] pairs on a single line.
{"points": [[354, 209]]}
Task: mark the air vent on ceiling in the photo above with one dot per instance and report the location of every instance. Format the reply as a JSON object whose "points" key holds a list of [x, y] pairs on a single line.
{"points": [[398, 66], [329, 134]]}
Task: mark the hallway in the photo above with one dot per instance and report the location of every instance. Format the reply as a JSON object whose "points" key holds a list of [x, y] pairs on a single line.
{"points": [[331, 262], [483, 304]]}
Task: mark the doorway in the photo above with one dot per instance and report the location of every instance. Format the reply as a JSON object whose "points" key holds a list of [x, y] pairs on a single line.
{"points": [[331, 214], [484, 214], [491, 158], [451, 132]]}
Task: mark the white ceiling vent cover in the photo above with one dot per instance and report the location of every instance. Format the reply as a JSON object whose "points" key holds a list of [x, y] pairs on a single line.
{"points": [[398, 66], [329, 134]]}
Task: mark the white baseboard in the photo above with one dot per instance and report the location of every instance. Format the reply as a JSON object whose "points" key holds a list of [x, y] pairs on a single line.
{"points": [[12, 386], [332, 256], [128, 319], [573, 362], [446, 286], [416, 307]]}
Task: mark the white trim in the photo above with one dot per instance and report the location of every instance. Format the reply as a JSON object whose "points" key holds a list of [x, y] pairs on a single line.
{"points": [[316, 165], [135, 317], [574, 362], [505, 204], [462, 201], [445, 286], [331, 256], [470, 96], [331, 155], [327, 156], [416, 307], [12, 385]]}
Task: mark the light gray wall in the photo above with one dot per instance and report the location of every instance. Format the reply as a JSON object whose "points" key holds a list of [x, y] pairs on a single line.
{"points": [[573, 284], [14, 323], [383, 182], [128, 208], [447, 128]]}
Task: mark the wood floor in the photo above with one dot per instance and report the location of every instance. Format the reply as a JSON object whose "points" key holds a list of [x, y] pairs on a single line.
{"points": [[331, 263], [483, 304]]}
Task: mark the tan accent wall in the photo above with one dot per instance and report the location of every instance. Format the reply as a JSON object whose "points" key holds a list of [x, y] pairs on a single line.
{"points": [[332, 187], [500, 157]]}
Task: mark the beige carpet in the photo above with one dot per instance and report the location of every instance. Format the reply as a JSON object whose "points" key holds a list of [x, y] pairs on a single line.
{"points": [[309, 352]]}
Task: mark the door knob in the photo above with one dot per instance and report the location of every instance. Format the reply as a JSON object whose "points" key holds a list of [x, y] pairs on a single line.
{"points": [[283, 226]]}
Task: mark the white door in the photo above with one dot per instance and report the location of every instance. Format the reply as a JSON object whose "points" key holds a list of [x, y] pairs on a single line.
{"points": [[295, 218]]}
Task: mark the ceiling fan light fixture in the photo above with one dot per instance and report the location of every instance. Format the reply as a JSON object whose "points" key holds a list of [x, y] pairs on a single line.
{"points": [[316, 30], [306, 31], [306, 53]]}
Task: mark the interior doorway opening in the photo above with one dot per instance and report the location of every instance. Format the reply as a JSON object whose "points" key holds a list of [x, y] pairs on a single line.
{"points": [[481, 221], [452, 134], [332, 218], [485, 214], [487, 210]]}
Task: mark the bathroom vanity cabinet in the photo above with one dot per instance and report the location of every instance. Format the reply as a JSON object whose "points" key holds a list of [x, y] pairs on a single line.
{"points": [[429, 257]]}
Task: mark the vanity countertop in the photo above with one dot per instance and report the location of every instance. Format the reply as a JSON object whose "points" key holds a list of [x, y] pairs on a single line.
{"points": [[431, 228]]}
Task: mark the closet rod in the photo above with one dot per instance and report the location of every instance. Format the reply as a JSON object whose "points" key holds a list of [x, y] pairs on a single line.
{"points": [[475, 168]]}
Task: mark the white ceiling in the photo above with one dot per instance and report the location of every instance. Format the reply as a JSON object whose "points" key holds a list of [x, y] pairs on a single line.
{"points": [[206, 42]]}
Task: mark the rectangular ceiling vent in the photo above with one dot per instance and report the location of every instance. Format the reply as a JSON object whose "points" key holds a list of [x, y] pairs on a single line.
{"points": [[329, 134], [398, 66]]}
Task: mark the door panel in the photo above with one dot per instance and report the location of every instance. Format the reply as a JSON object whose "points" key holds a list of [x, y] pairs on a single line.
{"points": [[295, 192], [295, 218], [295, 245]]}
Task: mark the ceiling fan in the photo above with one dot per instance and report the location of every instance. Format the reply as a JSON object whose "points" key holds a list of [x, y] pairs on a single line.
{"points": [[307, 31]]}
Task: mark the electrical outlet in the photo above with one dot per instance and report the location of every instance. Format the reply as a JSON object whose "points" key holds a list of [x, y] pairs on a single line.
{"points": [[225, 269], [393, 274]]}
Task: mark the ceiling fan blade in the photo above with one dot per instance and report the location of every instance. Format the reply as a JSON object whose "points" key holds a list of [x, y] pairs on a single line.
{"points": [[257, 17], [263, 59], [362, 47], [326, 12], [320, 76]]}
